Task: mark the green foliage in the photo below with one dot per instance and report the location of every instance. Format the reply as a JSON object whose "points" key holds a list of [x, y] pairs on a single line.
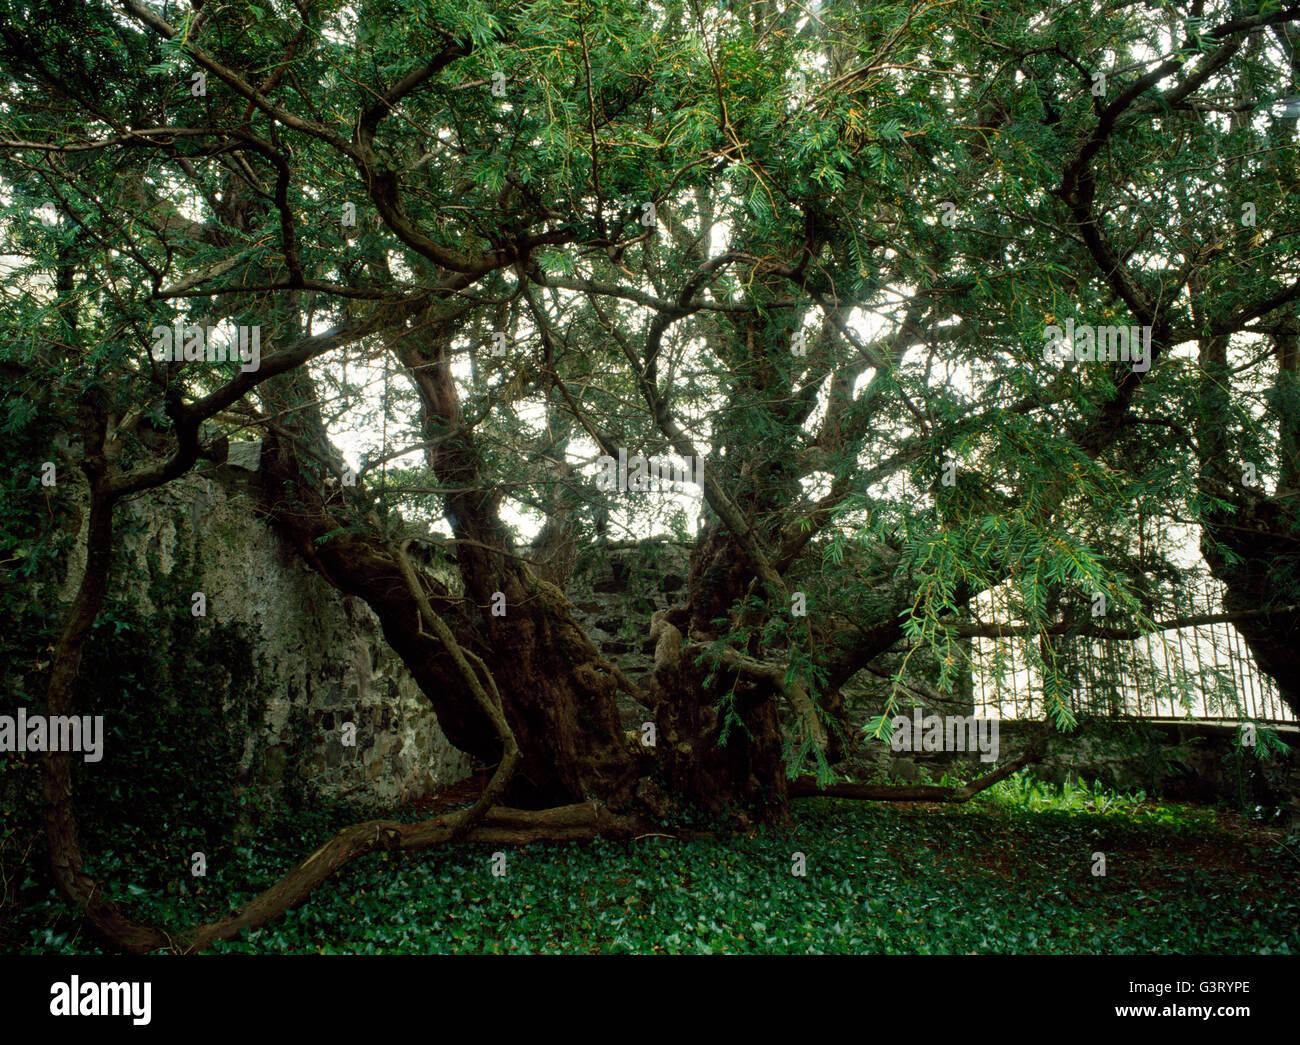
{"points": [[994, 880], [801, 167], [1022, 791]]}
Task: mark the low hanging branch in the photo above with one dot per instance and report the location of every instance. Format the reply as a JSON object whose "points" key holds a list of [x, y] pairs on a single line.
{"points": [[491, 704], [806, 787], [483, 822], [497, 826], [480, 823]]}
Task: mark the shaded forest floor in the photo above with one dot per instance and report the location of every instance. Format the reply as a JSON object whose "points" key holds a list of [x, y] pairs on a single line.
{"points": [[901, 879]]}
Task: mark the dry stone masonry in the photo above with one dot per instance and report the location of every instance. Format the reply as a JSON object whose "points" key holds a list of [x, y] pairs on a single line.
{"points": [[320, 659]]}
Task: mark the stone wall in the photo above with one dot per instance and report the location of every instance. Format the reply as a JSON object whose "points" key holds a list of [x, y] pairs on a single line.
{"points": [[614, 590], [1180, 761], [318, 657]]}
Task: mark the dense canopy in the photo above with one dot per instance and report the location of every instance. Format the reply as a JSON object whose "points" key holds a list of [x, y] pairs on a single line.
{"points": [[947, 298]]}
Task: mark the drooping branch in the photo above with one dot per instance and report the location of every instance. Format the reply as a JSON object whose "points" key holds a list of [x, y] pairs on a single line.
{"points": [[498, 826], [66, 863], [480, 823], [276, 112], [490, 703]]}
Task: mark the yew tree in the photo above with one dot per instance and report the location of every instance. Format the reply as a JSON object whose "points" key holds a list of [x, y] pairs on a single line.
{"points": [[815, 246]]}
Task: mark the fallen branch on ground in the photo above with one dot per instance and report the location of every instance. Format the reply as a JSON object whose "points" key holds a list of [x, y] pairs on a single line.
{"points": [[806, 787]]}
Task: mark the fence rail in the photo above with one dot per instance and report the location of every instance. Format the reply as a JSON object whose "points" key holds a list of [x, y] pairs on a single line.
{"points": [[1203, 671]]}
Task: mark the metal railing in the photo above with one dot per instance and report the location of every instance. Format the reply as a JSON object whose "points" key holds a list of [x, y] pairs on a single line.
{"points": [[1202, 671]]}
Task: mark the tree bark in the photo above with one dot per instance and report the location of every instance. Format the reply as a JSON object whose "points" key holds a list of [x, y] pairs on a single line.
{"points": [[1254, 550], [557, 690], [746, 774]]}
